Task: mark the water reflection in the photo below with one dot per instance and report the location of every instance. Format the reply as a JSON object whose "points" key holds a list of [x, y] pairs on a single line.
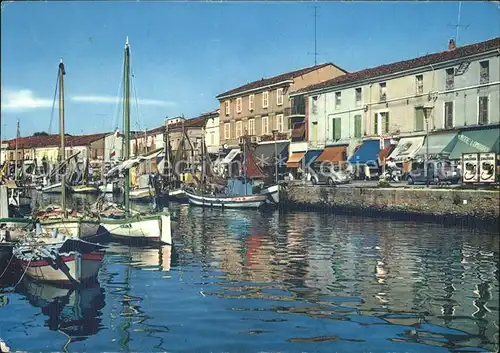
{"points": [[74, 312], [402, 273], [300, 281]]}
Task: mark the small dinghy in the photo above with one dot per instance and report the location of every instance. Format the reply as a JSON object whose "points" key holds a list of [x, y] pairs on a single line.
{"points": [[67, 262]]}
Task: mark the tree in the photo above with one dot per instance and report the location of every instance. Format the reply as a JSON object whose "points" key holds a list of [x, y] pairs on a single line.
{"points": [[41, 133]]}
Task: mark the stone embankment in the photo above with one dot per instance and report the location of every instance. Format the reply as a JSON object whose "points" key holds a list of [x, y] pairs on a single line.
{"points": [[476, 208]]}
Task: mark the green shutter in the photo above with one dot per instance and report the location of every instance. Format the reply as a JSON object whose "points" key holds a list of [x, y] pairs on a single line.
{"points": [[419, 119], [337, 129], [386, 115], [357, 126], [375, 124]]}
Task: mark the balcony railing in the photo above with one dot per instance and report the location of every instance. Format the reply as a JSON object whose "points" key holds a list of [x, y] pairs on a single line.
{"points": [[295, 110]]}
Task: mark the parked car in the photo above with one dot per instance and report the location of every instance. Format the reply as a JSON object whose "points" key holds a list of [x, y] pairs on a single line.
{"points": [[327, 174], [437, 172]]}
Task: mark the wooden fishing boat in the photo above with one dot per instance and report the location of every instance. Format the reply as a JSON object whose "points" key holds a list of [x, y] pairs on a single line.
{"points": [[55, 188], [110, 188], [85, 189], [57, 220], [250, 201], [69, 262], [155, 227]]}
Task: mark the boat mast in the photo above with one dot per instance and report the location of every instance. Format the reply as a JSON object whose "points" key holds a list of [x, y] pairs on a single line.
{"points": [[17, 153], [245, 162], [126, 124], [61, 74]]}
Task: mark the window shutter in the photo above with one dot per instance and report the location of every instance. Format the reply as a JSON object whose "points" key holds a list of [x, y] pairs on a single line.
{"points": [[375, 124], [386, 115], [336, 129], [357, 126]]}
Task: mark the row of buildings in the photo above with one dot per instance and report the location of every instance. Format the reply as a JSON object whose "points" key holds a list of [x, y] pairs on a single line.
{"points": [[451, 98]]}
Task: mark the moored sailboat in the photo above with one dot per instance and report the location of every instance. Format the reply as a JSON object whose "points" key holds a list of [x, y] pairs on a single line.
{"points": [[154, 227], [68, 262], [73, 226]]}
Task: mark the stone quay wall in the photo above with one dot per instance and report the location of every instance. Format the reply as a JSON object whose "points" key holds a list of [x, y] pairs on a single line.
{"points": [[476, 208]]}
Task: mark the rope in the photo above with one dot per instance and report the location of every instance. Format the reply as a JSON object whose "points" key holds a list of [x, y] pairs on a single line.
{"points": [[26, 270], [7, 266], [118, 105], [53, 104]]}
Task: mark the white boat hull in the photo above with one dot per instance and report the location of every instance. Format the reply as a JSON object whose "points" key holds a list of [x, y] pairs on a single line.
{"points": [[67, 262], [86, 230], [251, 201], [141, 195], [272, 193], [85, 189], [52, 189], [109, 189], [140, 229]]}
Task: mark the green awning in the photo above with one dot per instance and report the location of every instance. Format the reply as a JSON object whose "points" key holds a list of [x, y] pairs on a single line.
{"points": [[440, 145], [476, 141]]}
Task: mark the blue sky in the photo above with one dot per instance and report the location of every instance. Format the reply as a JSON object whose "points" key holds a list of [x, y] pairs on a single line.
{"points": [[185, 53]]}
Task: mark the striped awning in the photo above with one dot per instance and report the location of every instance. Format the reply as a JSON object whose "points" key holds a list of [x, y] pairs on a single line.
{"points": [[294, 160]]}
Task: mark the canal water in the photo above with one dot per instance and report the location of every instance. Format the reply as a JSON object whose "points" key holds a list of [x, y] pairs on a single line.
{"points": [[248, 281]]}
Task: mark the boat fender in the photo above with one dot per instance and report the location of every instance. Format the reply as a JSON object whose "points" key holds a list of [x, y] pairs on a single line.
{"points": [[38, 229], [54, 233]]}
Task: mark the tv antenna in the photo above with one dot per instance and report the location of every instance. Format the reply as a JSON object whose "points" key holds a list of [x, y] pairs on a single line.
{"points": [[458, 25], [315, 53]]}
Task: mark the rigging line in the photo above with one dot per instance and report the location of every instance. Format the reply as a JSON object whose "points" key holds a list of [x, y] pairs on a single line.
{"points": [[118, 100], [139, 118], [53, 104]]}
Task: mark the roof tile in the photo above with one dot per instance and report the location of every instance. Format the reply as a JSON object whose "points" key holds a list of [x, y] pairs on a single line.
{"points": [[422, 61], [273, 80]]}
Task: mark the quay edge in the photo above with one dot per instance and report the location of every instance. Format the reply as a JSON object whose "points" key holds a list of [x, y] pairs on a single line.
{"points": [[478, 209]]}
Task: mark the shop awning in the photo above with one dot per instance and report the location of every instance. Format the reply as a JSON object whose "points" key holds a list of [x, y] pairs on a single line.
{"points": [[332, 154], [476, 141], [406, 148], [311, 156], [440, 146], [382, 155], [299, 130], [367, 152], [294, 160], [265, 156], [231, 155]]}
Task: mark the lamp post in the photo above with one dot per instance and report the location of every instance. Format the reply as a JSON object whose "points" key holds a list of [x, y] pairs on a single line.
{"points": [[275, 135], [427, 114]]}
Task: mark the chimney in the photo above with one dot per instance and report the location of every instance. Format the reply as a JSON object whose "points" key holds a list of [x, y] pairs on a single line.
{"points": [[451, 45]]}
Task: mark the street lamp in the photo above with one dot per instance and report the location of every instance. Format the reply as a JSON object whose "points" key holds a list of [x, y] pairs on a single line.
{"points": [[275, 135], [427, 115]]}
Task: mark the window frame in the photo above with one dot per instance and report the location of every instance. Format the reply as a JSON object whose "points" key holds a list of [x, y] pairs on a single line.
{"points": [[449, 83], [419, 84], [487, 69], [251, 102], [227, 107], [238, 124], [278, 95], [239, 105], [383, 91], [279, 117], [488, 100], [357, 101], [452, 115], [251, 122], [266, 130], [227, 132], [338, 99], [265, 98]]}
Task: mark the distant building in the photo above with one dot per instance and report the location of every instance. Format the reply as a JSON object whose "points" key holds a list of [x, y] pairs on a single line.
{"points": [[262, 106], [47, 147], [212, 133], [458, 89]]}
